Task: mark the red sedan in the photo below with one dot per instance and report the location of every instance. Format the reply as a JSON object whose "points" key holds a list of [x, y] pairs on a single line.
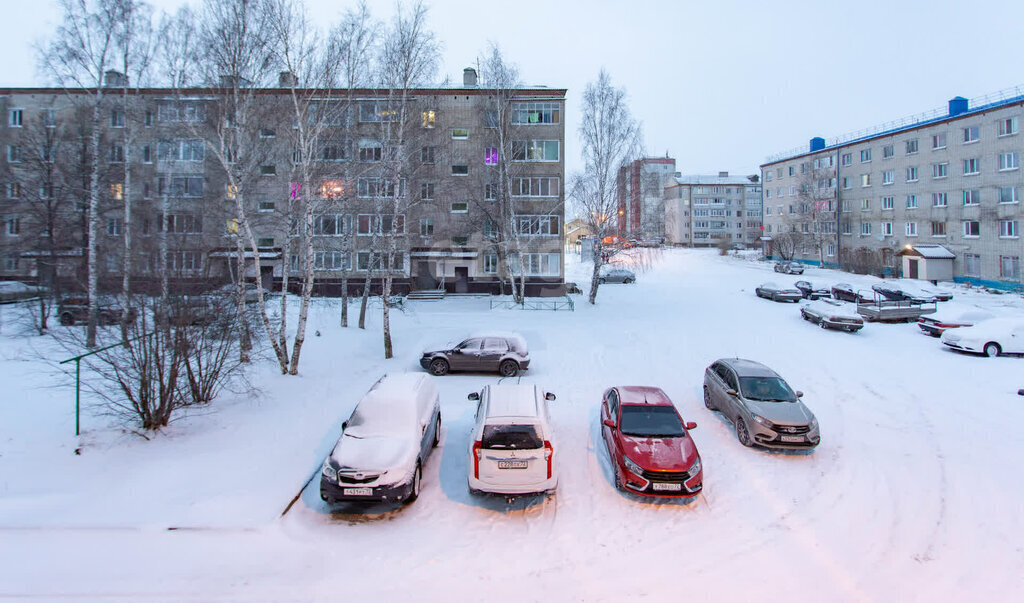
{"points": [[651, 452]]}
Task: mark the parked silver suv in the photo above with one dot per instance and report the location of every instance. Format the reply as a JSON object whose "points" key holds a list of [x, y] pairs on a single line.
{"points": [[760, 404]]}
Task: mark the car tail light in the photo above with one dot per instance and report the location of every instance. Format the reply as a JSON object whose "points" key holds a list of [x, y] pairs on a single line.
{"points": [[477, 453], [549, 454]]}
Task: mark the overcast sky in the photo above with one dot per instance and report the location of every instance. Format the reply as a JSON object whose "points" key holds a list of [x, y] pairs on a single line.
{"points": [[718, 84]]}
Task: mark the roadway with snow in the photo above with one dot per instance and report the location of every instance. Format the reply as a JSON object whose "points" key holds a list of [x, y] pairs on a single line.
{"points": [[913, 493]]}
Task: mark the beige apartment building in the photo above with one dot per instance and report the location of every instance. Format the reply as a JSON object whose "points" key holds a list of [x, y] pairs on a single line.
{"points": [[704, 211], [949, 177]]}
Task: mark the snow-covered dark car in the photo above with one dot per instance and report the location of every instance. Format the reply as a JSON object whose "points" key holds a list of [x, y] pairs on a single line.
{"points": [[846, 292], [923, 289], [811, 292], [894, 293], [502, 353], [385, 443], [936, 324], [787, 267], [832, 314], [75, 310], [778, 293]]}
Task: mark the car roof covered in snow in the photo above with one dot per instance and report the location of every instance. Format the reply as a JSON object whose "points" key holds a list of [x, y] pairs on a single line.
{"points": [[517, 341], [391, 404], [643, 394], [513, 401], [749, 368]]}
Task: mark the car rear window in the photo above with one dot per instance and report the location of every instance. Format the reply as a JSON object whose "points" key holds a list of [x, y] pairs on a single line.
{"points": [[511, 437]]}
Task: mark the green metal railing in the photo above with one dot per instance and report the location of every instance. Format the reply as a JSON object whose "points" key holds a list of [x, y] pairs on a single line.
{"points": [[542, 303], [78, 376]]}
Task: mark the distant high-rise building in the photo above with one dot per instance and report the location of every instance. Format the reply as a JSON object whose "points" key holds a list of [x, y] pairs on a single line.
{"points": [[641, 209]]}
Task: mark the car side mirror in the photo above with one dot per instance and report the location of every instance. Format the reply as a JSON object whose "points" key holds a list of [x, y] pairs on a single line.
{"points": [[456, 351], [550, 397], [475, 396], [691, 425], [344, 425], [609, 423], [799, 394], [731, 392]]}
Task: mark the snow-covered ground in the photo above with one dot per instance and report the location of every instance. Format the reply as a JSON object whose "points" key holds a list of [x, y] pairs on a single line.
{"points": [[913, 493]]}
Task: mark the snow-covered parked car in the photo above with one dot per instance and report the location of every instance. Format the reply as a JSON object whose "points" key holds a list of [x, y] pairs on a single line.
{"points": [[615, 274], [893, 292], [833, 314], [787, 267], [923, 289], [778, 293], [810, 291], [512, 446], [385, 443], [502, 353], [846, 292], [991, 337], [11, 291], [944, 319]]}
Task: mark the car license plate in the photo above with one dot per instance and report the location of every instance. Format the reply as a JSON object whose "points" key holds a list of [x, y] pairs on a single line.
{"points": [[675, 487], [513, 464], [786, 438], [358, 491]]}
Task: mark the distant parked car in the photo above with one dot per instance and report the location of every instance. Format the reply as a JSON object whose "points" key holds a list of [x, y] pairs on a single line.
{"points": [[651, 451], [251, 293], [787, 267], [505, 354], [75, 310], [14, 290], [936, 324], [778, 293], [895, 293], [512, 446], [846, 292], [617, 275], [923, 289], [760, 404], [385, 443], [991, 337], [809, 291], [832, 314]]}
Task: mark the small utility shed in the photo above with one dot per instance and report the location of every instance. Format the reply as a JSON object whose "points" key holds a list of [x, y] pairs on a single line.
{"points": [[927, 262]]}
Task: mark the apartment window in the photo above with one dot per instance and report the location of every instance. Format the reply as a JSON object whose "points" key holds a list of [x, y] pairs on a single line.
{"points": [[491, 156], [865, 155], [268, 170], [1008, 161], [147, 154], [183, 224], [912, 174], [940, 199], [180, 112], [972, 264], [778, 172], [1008, 229], [369, 224], [972, 166], [1009, 267], [181, 150], [865, 180], [147, 119], [376, 111], [491, 263], [792, 170], [460, 170], [538, 225], [15, 117], [331, 260], [940, 170], [911, 201], [1008, 194], [490, 192], [370, 150], [938, 229], [529, 113], [768, 193], [460, 240], [46, 191], [888, 177], [536, 264], [768, 176], [429, 118], [426, 191], [888, 202], [10, 261], [266, 206], [426, 227], [887, 229], [971, 134], [460, 133], [179, 186], [939, 141], [12, 226], [535, 150], [888, 151], [911, 228], [911, 146], [844, 206], [114, 226], [265, 242], [830, 250], [865, 204], [459, 207], [865, 229], [13, 153], [331, 150], [846, 182], [427, 154], [972, 196], [332, 225], [116, 154], [374, 187], [1008, 126], [363, 261], [846, 227], [972, 228], [117, 191], [490, 229], [846, 159], [14, 190]]}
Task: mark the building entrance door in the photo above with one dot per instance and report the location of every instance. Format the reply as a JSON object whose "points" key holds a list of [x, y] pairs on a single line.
{"points": [[462, 279], [912, 268]]}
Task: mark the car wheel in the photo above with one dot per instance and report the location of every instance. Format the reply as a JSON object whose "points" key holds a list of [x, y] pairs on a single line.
{"points": [[776, 268], [992, 349], [437, 432], [707, 399], [417, 478], [67, 319], [821, 323], [601, 280], [627, 281], [439, 367], [508, 368], [742, 434]]}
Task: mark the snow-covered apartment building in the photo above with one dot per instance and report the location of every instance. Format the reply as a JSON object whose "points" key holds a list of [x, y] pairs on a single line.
{"points": [[704, 211], [951, 177], [447, 236]]}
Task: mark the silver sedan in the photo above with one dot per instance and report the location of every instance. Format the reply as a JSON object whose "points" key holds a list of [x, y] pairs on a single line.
{"points": [[778, 293]]}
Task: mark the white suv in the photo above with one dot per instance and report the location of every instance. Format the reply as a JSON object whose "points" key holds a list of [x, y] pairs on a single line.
{"points": [[512, 450]]}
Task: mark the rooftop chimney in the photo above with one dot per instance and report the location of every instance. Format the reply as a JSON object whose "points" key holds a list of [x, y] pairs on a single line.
{"points": [[114, 79], [469, 77], [957, 105], [723, 174], [287, 79], [817, 143]]}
